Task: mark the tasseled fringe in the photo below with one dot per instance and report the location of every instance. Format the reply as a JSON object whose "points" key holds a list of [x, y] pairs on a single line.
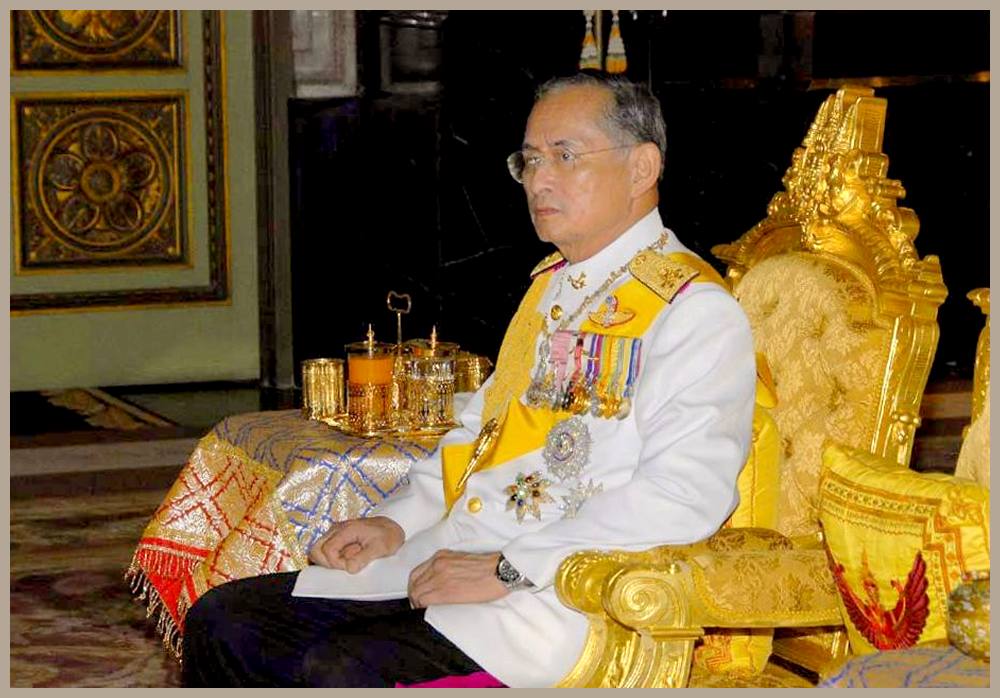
{"points": [[169, 564], [144, 591], [589, 57], [615, 62]]}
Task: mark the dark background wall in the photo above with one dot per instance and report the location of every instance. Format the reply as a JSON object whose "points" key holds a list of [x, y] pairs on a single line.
{"points": [[405, 187]]}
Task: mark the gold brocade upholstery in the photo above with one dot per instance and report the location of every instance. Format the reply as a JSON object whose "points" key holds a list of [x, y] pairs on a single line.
{"points": [[812, 319], [844, 311]]}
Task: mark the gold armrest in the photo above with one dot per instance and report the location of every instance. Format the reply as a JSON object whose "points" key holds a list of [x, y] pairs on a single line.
{"points": [[781, 589], [637, 606], [647, 609]]}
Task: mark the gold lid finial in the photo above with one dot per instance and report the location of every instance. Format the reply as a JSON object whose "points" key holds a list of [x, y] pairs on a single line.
{"points": [[434, 336], [371, 337]]}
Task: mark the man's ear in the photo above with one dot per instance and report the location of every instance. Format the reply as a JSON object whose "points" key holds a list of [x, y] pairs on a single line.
{"points": [[645, 169]]}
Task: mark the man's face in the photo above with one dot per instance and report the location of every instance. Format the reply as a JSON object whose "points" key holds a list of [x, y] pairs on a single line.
{"points": [[586, 206]]}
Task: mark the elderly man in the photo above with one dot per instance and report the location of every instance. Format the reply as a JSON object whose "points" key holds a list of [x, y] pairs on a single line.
{"points": [[618, 417]]}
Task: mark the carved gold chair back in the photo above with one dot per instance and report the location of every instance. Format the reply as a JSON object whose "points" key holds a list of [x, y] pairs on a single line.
{"points": [[841, 305]]}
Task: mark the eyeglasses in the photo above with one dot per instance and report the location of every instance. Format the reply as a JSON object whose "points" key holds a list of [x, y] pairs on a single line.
{"points": [[522, 165]]}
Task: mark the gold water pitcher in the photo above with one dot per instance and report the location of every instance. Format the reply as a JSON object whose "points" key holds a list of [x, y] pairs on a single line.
{"points": [[322, 388]]}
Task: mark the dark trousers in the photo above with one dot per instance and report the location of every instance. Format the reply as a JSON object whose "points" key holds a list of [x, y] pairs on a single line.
{"points": [[253, 632]]}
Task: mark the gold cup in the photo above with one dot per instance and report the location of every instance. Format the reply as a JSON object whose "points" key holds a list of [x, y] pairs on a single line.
{"points": [[471, 371], [322, 388]]}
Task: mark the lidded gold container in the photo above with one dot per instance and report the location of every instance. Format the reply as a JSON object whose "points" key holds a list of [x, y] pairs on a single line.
{"points": [[430, 347], [471, 371], [369, 385], [323, 389], [429, 393]]}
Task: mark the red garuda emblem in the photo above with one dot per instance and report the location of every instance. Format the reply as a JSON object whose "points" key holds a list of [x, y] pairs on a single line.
{"points": [[887, 630]]}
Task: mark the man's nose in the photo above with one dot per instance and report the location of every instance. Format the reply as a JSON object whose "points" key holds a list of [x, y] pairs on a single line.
{"points": [[539, 179]]}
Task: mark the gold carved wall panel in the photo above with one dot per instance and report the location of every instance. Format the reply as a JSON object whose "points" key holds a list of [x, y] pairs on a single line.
{"points": [[106, 177], [98, 181], [95, 39]]}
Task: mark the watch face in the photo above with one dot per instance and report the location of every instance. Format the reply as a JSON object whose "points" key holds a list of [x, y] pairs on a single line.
{"points": [[507, 573]]}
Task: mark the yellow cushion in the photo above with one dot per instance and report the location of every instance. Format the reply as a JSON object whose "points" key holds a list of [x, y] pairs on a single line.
{"points": [[974, 458], [892, 531], [812, 319]]}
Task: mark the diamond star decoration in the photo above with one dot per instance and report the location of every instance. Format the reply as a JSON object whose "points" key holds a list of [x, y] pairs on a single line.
{"points": [[579, 494], [526, 494]]}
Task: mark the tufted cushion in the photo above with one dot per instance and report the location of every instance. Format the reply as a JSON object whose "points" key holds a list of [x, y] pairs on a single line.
{"points": [[974, 458], [878, 517], [812, 319]]}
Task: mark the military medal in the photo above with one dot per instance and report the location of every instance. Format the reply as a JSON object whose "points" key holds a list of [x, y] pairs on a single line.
{"points": [[609, 314], [567, 448], [633, 370], [578, 494], [526, 494], [587, 389]]}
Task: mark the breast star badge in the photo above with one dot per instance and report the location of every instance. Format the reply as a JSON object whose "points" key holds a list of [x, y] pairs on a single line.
{"points": [[526, 494]]}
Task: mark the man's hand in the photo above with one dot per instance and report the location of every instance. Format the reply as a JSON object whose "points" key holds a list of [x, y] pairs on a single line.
{"points": [[351, 545], [453, 577]]}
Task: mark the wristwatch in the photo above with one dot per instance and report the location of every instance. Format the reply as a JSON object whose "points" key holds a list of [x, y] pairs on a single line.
{"points": [[509, 575]]}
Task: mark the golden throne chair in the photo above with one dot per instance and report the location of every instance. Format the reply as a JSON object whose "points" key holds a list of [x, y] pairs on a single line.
{"points": [[844, 312]]}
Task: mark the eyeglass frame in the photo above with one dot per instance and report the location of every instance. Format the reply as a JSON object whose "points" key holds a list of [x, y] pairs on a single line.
{"points": [[576, 156]]}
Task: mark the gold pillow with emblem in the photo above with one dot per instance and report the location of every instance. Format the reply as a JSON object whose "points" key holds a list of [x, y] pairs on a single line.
{"points": [[898, 541]]}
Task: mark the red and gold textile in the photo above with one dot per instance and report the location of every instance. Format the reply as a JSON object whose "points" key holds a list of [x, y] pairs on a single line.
{"points": [[255, 494]]}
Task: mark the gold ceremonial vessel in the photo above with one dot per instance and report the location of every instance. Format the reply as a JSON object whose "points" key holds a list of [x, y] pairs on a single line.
{"points": [[369, 385], [323, 389], [969, 615], [403, 389]]}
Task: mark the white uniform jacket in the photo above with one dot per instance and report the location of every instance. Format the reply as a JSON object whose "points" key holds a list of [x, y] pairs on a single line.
{"points": [[667, 474]]}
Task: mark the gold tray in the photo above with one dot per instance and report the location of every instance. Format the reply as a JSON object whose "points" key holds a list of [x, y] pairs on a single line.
{"points": [[340, 423]]}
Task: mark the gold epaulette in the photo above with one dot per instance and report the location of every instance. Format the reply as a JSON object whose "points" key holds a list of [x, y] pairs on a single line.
{"points": [[666, 274], [547, 263]]}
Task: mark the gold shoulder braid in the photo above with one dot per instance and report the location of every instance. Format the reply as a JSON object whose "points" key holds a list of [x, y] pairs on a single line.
{"points": [[546, 264], [662, 275]]}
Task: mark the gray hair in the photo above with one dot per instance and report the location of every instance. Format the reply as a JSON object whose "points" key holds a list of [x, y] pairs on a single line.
{"points": [[633, 114]]}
